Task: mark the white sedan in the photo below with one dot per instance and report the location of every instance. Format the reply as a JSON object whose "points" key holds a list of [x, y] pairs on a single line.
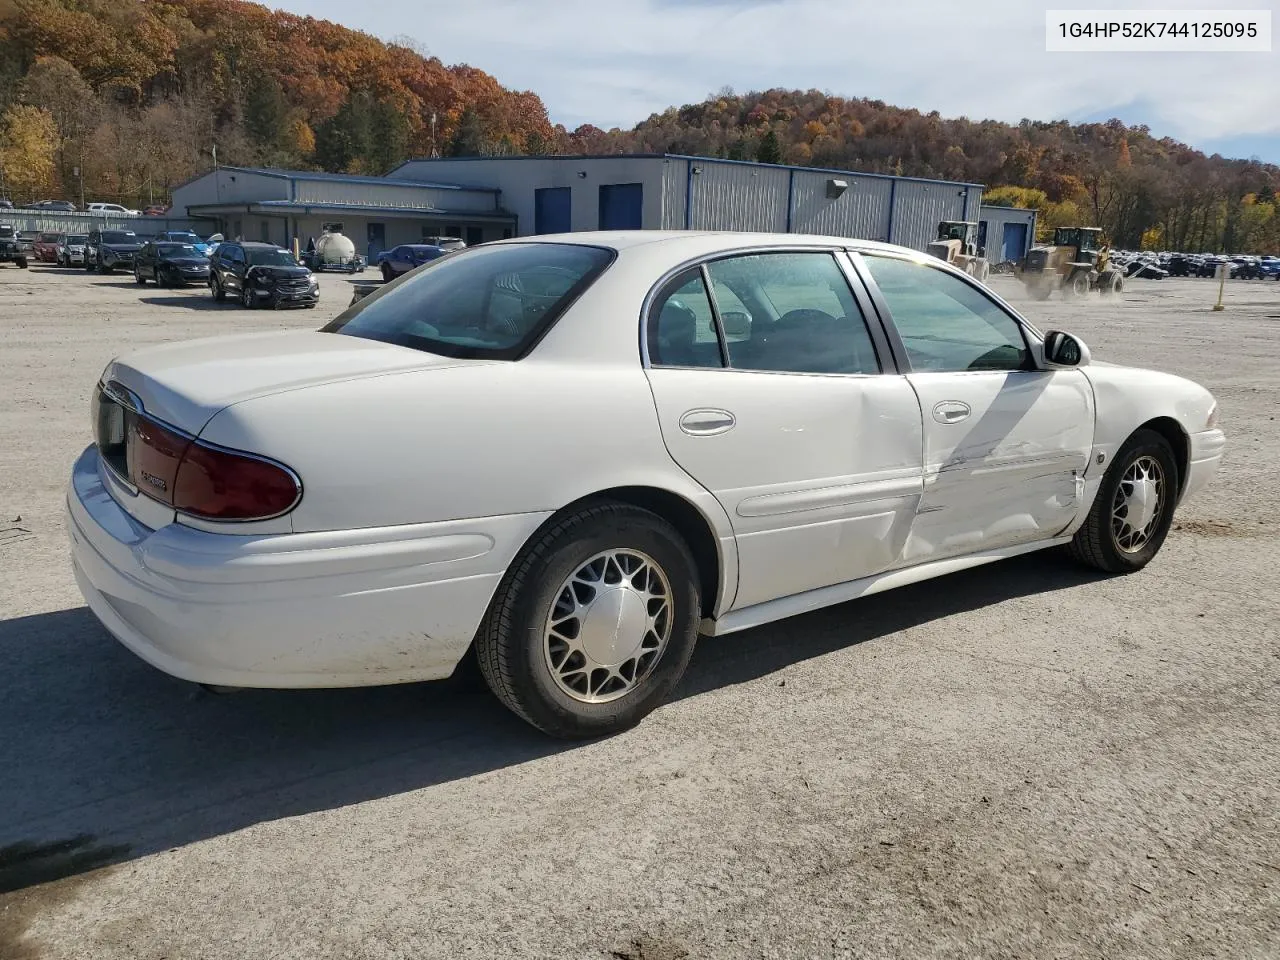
{"points": [[569, 456]]}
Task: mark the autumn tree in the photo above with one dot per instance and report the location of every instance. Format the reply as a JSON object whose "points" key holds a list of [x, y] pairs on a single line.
{"points": [[28, 141]]}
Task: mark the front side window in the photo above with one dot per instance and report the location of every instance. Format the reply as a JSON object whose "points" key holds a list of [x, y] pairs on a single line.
{"points": [[791, 313], [486, 302], [946, 324]]}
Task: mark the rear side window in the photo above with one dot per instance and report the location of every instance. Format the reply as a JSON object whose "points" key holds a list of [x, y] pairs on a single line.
{"points": [[486, 302]]}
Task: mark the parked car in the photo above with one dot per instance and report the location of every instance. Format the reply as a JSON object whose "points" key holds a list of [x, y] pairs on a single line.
{"points": [[170, 264], [11, 248], [112, 208], [155, 210], [186, 236], [357, 505], [406, 257], [71, 253], [1269, 268], [6, 204], [108, 250], [445, 243], [66, 206], [46, 247], [261, 275]]}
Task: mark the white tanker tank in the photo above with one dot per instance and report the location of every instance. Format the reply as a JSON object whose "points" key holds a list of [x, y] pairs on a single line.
{"points": [[334, 251]]}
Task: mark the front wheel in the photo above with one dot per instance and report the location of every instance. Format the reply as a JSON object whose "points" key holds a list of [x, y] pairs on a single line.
{"points": [[594, 623], [215, 287], [21, 262], [138, 278], [246, 297], [1133, 509], [387, 274]]}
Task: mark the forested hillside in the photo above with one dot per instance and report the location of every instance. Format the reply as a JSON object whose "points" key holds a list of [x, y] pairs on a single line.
{"points": [[136, 94]]}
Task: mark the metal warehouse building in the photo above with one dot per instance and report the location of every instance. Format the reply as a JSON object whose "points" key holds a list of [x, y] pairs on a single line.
{"points": [[669, 191], [276, 206], [1007, 233]]}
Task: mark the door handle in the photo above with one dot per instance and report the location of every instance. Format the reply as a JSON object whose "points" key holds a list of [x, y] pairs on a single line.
{"points": [[951, 411], [707, 423]]}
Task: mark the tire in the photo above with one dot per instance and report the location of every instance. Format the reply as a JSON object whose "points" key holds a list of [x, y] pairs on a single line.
{"points": [[1040, 291], [387, 274], [21, 262], [1099, 542], [215, 287], [1077, 284], [88, 265], [1117, 284], [516, 647], [138, 278], [246, 297]]}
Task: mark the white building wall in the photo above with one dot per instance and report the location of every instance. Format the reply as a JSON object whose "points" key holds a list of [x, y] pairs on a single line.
{"points": [[862, 211], [996, 219], [391, 194], [229, 186], [519, 177]]}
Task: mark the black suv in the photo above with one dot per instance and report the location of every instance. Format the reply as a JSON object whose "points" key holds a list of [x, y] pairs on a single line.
{"points": [[11, 250], [170, 264], [109, 250], [261, 274]]}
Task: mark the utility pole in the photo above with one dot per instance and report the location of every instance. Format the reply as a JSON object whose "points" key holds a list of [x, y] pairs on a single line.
{"points": [[433, 133]]}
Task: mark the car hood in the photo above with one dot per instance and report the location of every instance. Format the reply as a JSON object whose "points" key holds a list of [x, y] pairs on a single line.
{"points": [[187, 261], [185, 384], [279, 273]]}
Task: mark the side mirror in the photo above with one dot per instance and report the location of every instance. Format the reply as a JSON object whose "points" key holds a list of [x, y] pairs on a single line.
{"points": [[736, 323], [1064, 350]]}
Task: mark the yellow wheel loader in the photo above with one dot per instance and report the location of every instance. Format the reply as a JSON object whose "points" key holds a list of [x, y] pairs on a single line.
{"points": [[1076, 263], [957, 244]]}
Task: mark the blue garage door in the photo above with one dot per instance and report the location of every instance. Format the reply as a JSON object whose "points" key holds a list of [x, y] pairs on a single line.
{"points": [[552, 208], [622, 206], [1014, 246]]}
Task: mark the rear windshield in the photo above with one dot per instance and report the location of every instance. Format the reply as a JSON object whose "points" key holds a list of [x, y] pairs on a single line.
{"points": [[484, 302], [270, 258], [169, 249], [118, 236]]}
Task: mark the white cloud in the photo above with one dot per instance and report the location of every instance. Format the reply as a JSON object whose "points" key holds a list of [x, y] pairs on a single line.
{"points": [[614, 62]]}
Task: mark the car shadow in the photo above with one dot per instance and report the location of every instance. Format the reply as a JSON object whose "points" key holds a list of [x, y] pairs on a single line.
{"points": [[106, 759], [193, 298]]}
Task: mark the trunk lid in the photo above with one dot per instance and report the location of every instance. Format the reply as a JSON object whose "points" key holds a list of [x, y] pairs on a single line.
{"points": [[184, 384]]}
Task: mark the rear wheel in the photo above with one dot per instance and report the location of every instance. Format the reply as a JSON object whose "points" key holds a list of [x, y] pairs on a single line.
{"points": [[1133, 510], [387, 273], [593, 624]]}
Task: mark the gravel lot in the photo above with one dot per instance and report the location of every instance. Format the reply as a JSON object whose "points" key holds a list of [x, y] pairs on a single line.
{"points": [[1024, 760]]}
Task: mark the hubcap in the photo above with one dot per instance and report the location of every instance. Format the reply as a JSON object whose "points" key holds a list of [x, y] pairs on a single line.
{"points": [[609, 626], [1138, 504]]}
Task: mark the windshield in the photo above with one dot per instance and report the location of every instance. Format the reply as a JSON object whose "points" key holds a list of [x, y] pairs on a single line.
{"points": [[182, 237], [119, 236], [270, 258], [490, 302], [77, 239], [175, 249], [48, 238]]}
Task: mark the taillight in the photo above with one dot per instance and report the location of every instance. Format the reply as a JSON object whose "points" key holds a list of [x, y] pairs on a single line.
{"points": [[218, 484], [190, 475]]}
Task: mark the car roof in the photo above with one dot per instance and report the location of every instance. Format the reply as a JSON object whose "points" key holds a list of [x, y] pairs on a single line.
{"points": [[706, 241], [259, 245]]}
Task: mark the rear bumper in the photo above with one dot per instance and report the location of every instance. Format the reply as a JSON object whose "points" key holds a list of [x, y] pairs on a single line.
{"points": [[332, 609], [1205, 459]]}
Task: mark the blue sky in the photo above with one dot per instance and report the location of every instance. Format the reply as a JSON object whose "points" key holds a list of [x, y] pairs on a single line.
{"points": [[615, 62]]}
